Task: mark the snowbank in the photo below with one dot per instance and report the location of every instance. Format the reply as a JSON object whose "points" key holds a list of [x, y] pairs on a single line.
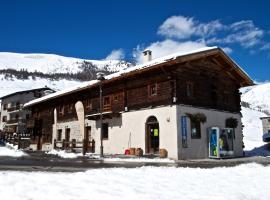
{"points": [[64, 154], [146, 183], [11, 151], [252, 131], [145, 160], [70, 155]]}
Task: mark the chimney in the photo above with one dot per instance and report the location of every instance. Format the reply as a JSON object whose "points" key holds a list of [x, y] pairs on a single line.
{"points": [[147, 55]]}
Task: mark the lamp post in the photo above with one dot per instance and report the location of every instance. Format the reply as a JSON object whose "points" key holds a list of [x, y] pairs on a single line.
{"points": [[100, 77]]}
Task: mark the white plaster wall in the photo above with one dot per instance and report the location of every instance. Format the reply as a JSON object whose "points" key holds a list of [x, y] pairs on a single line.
{"points": [[130, 128], [198, 148]]}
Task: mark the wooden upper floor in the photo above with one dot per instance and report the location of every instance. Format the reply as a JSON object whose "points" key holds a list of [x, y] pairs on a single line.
{"points": [[209, 81]]}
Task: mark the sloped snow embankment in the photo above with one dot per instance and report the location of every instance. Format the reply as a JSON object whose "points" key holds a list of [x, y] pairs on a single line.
{"points": [[253, 132], [70, 155], [145, 183], [11, 151], [257, 98]]}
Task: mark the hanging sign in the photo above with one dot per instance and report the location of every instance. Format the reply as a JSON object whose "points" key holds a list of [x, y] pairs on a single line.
{"points": [[184, 131]]}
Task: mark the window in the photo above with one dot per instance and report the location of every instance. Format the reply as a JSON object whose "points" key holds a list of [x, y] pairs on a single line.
{"points": [[4, 119], [5, 106], [59, 135], [106, 103], [116, 98], [61, 110], [89, 104], [105, 130], [195, 129], [70, 108], [190, 89], [153, 90]]}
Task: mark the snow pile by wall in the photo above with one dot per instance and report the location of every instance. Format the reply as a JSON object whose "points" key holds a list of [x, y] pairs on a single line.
{"points": [[63, 154], [11, 151]]}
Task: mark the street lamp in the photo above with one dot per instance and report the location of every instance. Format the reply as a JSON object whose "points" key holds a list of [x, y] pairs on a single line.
{"points": [[101, 78]]}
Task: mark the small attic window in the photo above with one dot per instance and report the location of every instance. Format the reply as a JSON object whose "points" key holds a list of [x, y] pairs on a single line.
{"points": [[153, 89]]}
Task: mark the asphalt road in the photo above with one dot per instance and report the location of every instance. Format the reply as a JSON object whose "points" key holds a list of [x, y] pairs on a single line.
{"points": [[39, 161]]}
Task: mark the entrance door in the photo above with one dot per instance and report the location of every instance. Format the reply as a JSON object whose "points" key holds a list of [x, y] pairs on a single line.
{"points": [[88, 133], [67, 137], [152, 135]]}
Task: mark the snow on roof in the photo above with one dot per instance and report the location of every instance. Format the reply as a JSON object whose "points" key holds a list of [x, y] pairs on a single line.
{"points": [[121, 73]]}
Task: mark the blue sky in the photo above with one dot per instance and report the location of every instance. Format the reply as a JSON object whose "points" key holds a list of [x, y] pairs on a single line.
{"points": [[100, 29]]}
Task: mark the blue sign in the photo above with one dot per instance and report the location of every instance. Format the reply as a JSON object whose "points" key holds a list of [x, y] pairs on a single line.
{"points": [[184, 131]]}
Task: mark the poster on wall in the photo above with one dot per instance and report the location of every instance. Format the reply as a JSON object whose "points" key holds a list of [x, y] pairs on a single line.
{"points": [[184, 131]]}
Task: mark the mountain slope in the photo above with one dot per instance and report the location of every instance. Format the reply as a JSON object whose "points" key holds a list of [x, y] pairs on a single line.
{"points": [[50, 63], [255, 104], [11, 85], [258, 97]]}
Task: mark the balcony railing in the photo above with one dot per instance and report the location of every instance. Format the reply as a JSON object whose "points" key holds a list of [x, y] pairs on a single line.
{"points": [[16, 121], [15, 108]]}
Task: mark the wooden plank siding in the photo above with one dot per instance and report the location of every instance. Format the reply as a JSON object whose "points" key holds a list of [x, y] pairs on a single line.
{"points": [[213, 83]]}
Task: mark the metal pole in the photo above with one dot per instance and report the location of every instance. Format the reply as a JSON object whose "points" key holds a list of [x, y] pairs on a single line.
{"points": [[101, 120]]}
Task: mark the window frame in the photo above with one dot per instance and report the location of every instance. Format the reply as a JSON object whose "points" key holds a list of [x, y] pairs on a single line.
{"points": [[4, 118], [190, 89], [150, 91], [105, 126], [88, 104], [61, 110], [59, 135], [197, 126]]}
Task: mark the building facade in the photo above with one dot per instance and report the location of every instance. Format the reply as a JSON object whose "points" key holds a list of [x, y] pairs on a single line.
{"points": [[13, 116], [176, 103]]}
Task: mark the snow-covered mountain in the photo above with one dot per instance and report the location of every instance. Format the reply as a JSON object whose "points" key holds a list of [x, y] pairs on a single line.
{"points": [[258, 97], [28, 71], [51, 63], [11, 85]]}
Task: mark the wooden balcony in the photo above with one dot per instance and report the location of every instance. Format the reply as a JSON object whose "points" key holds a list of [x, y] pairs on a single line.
{"points": [[16, 121], [15, 108]]}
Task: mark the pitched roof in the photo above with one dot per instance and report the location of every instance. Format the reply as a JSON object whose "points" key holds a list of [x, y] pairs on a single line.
{"points": [[25, 91], [142, 67]]}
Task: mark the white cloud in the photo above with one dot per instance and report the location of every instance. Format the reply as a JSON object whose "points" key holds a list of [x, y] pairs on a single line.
{"points": [[183, 33], [166, 47], [177, 26], [265, 46], [181, 27], [244, 33], [117, 54]]}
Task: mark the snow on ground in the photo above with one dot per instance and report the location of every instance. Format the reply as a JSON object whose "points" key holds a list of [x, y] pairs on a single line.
{"points": [[65, 154], [253, 132], [11, 151], [248, 181], [252, 128], [145, 160]]}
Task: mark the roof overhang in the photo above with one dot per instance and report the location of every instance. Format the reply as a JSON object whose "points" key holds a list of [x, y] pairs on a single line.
{"points": [[152, 65]]}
